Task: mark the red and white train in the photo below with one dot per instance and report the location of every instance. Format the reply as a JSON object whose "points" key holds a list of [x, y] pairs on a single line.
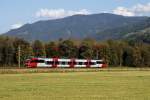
{"points": [[64, 63]]}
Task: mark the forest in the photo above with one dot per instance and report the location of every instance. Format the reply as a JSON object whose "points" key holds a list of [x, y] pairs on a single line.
{"points": [[114, 52]]}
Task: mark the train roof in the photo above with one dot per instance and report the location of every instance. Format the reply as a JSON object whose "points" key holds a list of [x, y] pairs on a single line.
{"points": [[63, 59]]}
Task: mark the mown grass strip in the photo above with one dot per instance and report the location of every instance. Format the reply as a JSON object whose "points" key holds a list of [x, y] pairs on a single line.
{"points": [[65, 70]]}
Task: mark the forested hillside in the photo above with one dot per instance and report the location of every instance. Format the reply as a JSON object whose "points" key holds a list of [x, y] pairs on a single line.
{"points": [[97, 26], [142, 35], [114, 52]]}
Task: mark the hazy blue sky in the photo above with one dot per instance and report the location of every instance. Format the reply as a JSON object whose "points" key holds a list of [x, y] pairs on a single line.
{"points": [[14, 13]]}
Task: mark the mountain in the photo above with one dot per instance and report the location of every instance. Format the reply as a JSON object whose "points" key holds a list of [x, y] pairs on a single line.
{"points": [[98, 26], [142, 35]]}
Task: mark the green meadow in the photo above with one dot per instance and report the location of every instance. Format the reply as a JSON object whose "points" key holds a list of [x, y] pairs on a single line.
{"points": [[102, 85]]}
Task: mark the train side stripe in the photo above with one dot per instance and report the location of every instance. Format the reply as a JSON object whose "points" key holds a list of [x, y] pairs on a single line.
{"points": [[55, 60], [72, 63], [88, 63]]}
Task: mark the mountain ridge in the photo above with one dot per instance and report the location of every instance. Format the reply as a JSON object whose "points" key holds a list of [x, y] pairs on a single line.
{"points": [[98, 26]]}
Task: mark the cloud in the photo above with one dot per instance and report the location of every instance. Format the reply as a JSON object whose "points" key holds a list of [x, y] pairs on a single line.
{"points": [[140, 8], [15, 26], [123, 11], [59, 13], [136, 10]]}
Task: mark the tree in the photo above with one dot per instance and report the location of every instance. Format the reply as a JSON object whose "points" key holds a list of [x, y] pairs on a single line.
{"points": [[26, 50], [7, 51], [137, 57], [52, 50], [68, 49], [1, 50], [38, 49], [128, 56], [104, 52], [120, 45], [86, 49], [145, 54], [116, 53], [113, 57]]}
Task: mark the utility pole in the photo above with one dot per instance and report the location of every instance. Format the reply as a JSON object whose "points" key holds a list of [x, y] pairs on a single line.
{"points": [[97, 54], [19, 49]]}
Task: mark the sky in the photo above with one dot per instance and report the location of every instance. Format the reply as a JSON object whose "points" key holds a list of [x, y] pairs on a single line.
{"points": [[15, 13]]}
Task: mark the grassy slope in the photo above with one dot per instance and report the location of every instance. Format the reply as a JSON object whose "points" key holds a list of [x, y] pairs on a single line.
{"points": [[128, 85]]}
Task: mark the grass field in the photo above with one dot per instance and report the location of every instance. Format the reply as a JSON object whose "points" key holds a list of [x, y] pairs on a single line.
{"points": [[104, 85]]}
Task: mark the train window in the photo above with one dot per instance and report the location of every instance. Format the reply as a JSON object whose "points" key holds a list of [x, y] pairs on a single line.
{"points": [[92, 63], [86, 63], [63, 63], [37, 61], [74, 62], [69, 63], [49, 62], [100, 62], [56, 62], [80, 63], [40, 61], [52, 62]]}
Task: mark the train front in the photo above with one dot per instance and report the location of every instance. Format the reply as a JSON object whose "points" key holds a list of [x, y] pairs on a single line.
{"points": [[31, 63]]}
